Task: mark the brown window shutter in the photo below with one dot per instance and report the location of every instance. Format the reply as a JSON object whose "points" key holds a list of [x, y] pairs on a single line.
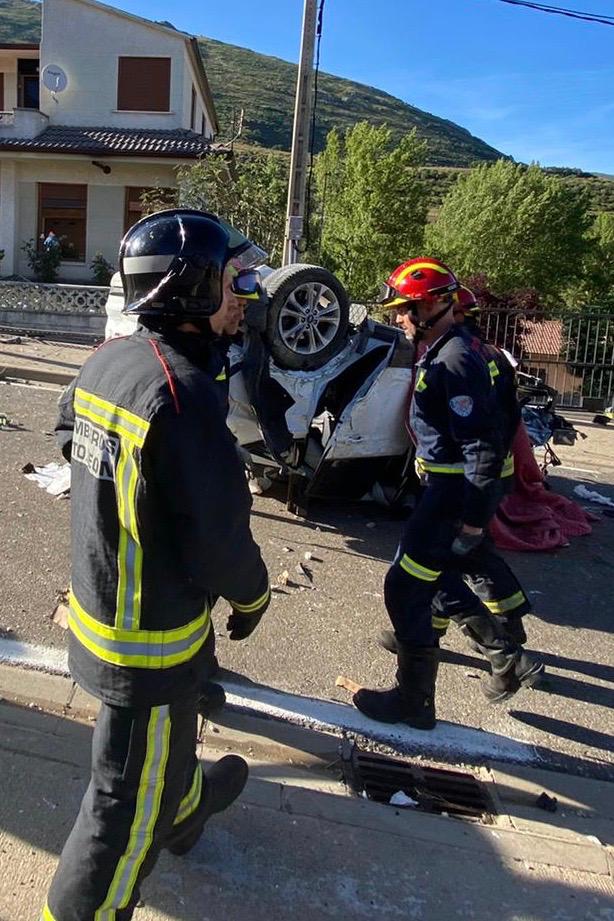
{"points": [[63, 209], [144, 84], [1, 92]]}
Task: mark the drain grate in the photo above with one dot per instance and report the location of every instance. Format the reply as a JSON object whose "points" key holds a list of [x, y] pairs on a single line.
{"points": [[434, 789]]}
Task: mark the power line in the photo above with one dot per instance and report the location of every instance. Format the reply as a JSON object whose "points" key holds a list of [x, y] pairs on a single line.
{"points": [[314, 112], [563, 11]]}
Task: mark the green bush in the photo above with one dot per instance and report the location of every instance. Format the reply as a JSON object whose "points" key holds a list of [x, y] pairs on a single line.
{"points": [[45, 263], [102, 270]]}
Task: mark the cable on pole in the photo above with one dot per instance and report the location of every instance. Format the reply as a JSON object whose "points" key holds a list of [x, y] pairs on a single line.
{"points": [[563, 11], [312, 134]]}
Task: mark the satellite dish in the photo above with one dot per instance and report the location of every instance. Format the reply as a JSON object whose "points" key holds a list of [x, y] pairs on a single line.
{"points": [[54, 78]]}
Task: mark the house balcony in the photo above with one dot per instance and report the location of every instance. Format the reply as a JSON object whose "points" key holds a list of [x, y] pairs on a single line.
{"points": [[22, 123]]}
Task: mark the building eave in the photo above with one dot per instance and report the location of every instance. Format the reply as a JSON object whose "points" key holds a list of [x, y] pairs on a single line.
{"points": [[203, 82]]}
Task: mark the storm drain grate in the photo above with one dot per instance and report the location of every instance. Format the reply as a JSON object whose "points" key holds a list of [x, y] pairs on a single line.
{"points": [[435, 790]]}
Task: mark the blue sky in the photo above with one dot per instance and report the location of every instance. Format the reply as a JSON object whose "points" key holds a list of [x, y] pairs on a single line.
{"points": [[536, 86]]}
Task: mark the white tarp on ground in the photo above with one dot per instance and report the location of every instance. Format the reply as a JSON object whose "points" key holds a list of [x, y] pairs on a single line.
{"points": [[54, 478]]}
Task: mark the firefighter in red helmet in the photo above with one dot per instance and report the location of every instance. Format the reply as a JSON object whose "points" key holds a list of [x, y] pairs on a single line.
{"points": [[462, 442]]}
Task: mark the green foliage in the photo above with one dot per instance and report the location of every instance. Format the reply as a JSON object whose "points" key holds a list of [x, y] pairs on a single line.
{"points": [[158, 198], [102, 270], [515, 224], [371, 204], [249, 192], [20, 21], [44, 261], [595, 285]]}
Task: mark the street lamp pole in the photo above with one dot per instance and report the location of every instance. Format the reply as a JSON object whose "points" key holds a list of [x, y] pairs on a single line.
{"points": [[300, 137]]}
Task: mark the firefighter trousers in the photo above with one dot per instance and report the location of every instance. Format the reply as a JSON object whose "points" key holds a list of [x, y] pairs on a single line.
{"points": [[145, 785], [427, 584]]}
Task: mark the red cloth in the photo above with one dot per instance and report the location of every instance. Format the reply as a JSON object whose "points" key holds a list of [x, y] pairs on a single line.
{"points": [[532, 518]]}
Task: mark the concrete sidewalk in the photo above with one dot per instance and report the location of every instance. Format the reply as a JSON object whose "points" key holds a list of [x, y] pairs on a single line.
{"points": [[297, 845]]}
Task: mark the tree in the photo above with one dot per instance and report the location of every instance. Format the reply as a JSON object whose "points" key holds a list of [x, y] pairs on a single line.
{"points": [[249, 192], [517, 225], [371, 205], [595, 288]]}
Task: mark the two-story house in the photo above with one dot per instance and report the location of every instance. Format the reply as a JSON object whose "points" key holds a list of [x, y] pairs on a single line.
{"points": [[109, 104]]}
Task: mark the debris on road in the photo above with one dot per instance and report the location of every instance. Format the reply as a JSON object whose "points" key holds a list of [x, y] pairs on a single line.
{"points": [[308, 555], [303, 571], [347, 684], [403, 800], [548, 803], [283, 577], [61, 611], [53, 478], [591, 495]]}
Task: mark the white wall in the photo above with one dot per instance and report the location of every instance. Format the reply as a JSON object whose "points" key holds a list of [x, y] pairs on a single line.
{"points": [[105, 204], [86, 41]]}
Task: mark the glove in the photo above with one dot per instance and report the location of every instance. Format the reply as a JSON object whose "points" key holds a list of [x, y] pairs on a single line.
{"points": [[464, 543], [240, 624]]}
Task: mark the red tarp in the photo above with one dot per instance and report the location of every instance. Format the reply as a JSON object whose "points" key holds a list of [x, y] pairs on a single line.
{"points": [[532, 518]]}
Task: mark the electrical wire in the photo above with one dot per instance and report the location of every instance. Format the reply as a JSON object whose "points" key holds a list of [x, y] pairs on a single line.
{"points": [[563, 11], [312, 132]]}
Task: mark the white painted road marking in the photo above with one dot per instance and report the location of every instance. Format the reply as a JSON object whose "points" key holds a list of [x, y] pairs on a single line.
{"points": [[447, 739]]}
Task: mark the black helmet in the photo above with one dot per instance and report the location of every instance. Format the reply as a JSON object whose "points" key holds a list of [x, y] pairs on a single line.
{"points": [[171, 264]]}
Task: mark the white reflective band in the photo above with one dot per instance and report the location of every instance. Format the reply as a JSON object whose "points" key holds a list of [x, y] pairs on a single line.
{"points": [[143, 265]]}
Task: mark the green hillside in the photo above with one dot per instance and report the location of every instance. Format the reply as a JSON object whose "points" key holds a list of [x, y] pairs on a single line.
{"points": [[264, 88], [20, 21]]}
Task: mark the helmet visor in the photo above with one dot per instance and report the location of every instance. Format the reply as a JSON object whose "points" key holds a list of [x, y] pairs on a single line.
{"points": [[247, 285], [390, 297]]}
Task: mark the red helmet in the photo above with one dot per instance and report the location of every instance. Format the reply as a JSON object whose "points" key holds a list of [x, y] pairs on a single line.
{"points": [[466, 302], [422, 279]]}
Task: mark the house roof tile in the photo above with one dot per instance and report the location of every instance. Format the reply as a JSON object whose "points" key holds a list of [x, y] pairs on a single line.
{"points": [[107, 142]]}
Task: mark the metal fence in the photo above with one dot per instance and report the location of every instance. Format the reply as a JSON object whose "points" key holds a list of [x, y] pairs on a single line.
{"points": [[574, 353]]}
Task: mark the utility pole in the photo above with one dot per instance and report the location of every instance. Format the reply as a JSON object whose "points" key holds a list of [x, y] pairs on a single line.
{"points": [[300, 136]]}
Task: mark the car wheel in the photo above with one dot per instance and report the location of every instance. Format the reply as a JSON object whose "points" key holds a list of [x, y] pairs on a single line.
{"points": [[308, 316]]}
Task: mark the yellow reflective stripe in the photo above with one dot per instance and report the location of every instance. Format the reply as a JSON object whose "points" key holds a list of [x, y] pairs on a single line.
{"points": [[419, 265], [221, 376], [112, 421], [131, 418], [191, 800], [508, 466], [417, 570], [46, 915], [506, 604], [149, 797], [494, 371], [396, 302], [250, 608], [440, 623], [130, 552], [138, 648], [424, 466], [420, 382]]}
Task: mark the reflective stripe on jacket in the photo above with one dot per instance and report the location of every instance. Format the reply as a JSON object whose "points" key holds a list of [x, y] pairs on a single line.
{"points": [[160, 516]]}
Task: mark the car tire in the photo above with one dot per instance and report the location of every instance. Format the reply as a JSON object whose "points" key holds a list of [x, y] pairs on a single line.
{"points": [[308, 316]]}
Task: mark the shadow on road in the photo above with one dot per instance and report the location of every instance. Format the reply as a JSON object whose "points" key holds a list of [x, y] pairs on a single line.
{"points": [[256, 863]]}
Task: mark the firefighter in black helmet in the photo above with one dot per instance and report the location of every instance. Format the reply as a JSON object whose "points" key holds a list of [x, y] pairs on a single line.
{"points": [[160, 526]]}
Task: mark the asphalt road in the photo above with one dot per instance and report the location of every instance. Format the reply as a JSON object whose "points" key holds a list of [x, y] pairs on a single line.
{"points": [[323, 624]]}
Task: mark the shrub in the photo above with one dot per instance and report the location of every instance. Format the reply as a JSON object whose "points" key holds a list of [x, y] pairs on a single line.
{"points": [[45, 263], [102, 270]]}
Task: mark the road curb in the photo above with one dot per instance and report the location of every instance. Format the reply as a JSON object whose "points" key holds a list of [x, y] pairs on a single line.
{"points": [[283, 786], [17, 374]]}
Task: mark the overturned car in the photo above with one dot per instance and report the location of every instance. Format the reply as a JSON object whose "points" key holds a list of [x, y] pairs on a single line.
{"points": [[318, 391]]}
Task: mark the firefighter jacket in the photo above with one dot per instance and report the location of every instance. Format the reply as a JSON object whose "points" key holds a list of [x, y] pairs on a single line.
{"points": [[160, 517], [458, 424], [503, 376]]}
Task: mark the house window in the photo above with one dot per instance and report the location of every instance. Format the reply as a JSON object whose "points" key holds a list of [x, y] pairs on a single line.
{"points": [[27, 83], [202, 125], [63, 209], [144, 84], [193, 110], [134, 207]]}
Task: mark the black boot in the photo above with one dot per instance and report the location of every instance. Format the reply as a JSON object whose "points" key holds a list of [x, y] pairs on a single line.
{"points": [[221, 787], [514, 628], [387, 640], [486, 636], [412, 700]]}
